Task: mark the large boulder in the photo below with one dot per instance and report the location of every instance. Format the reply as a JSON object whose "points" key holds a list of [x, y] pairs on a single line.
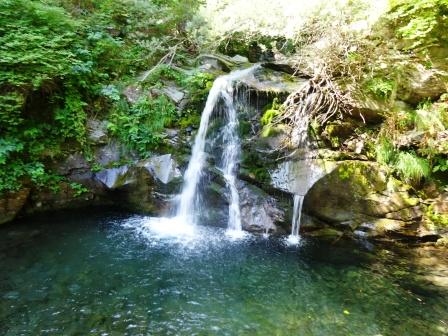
{"points": [[129, 187], [368, 109], [362, 196], [76, 169], [133, 93], [144, 186], [420, 83], [163, 167], [65, 196], [273, 83], [298, 176], [259, 211], [216, 63]]}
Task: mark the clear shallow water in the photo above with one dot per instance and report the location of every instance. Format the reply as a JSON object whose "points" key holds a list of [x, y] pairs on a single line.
{"points": [[110, 274]]}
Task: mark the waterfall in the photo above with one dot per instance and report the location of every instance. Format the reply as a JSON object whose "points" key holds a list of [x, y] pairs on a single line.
{"points": [[300, 139], [189, 207], [296, 219], [230, 158]]}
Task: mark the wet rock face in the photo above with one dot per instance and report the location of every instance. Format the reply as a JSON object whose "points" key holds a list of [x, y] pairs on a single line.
{"points": [[129, 187], [361, 197], [163, 167], [144, 186], [259, 212], [65, 197], [97, 131], [298, 176], [11, 204], [270, 82]]}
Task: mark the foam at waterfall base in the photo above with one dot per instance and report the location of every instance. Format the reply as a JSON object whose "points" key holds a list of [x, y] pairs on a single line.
{"points": [[180, 231], [170, 227], [292, 240], [236, 234]]}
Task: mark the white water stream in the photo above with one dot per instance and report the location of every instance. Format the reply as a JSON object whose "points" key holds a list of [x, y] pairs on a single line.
{"points": [[294, 237], [189, 205], [223, 100]]}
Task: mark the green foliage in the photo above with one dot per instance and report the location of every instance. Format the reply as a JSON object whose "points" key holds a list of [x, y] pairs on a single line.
{"points": [[411, 168], [440, 165], [273, 110], [78, 188], [12, 179], [422, 23], [385, 151], [198, 85], [164, 72], [63, 61], [140, 126], [190, 118], [268, 116], [35, 44], [71, 118], [439, 219], [380, 87]]}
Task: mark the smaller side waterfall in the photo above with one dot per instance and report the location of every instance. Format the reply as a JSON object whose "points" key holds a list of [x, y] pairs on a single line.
{"points": [[294, 237]]}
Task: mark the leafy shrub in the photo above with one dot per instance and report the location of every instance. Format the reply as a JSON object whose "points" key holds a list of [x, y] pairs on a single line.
{"points": [[439, 219], [380, 87], [78, 189], [63, 60], [421, 22], [440, 165], [189, 118], [140, 126]]}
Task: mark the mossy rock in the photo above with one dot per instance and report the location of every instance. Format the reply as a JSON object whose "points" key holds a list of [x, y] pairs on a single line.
{"points": [[356, 189]]}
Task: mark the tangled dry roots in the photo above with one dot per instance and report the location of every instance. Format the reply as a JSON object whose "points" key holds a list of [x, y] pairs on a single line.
{"points": [[318, 98]]}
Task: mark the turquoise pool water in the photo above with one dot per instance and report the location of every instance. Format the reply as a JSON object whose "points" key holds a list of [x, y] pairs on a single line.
{"points": [[106, 273]]}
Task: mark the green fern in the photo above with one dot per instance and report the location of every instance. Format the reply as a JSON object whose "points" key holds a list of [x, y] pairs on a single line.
{"points": [[385, 151], [411, 168]]}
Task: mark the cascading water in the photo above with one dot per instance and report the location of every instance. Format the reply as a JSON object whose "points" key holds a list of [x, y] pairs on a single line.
{"points": [[296, 219], [300, 140], [297, 214], [189, 208], [229, 162]]}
